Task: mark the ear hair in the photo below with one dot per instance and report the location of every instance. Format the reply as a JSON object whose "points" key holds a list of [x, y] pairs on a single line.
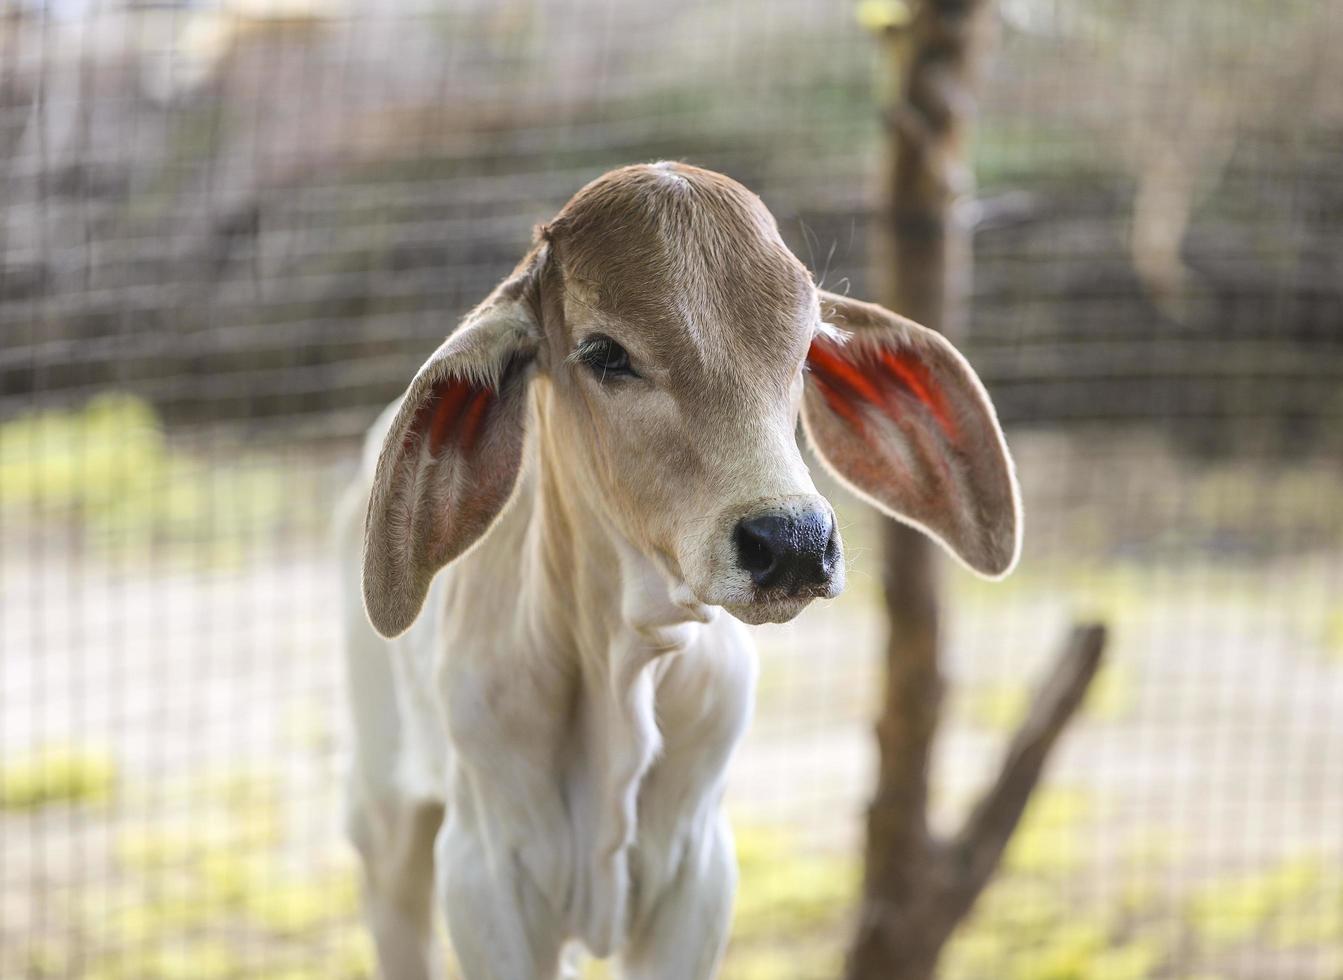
{"points": [[833, 333], [450, 460], [901, 418]]}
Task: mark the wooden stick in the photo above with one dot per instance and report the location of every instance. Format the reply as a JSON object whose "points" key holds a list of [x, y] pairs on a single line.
{"points": [[979, 846]]}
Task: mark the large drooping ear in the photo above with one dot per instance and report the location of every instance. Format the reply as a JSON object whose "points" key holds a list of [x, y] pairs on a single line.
{"points": [[903, 420], [450, 460]]}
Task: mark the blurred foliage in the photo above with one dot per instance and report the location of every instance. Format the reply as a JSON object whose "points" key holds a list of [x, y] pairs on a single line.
{"points": [[216, 894], [1333, 634], [108, 472], [56, 774], [1298, 902], [883, 15], [1036, 923], [1001, 706], [212, 892], [1051, 838], [785, 891]]}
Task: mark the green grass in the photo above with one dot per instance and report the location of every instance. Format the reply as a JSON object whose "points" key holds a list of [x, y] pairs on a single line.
{"points": [[1001, 706], [212, 890], [108, 472], [57, 774], [1297, 902]]}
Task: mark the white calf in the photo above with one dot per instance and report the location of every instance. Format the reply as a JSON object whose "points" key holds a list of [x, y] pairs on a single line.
{"points": [[595, 464]]}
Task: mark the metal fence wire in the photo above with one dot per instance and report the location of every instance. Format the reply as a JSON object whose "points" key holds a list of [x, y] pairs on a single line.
{"points": [[230, 231]]}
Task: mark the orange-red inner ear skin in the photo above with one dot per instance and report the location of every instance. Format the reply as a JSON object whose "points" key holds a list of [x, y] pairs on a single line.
{"points": [[847, 373], [449, 398], [454, 407], [918, 379], [840, 381], [474, 415], [835, 399]]}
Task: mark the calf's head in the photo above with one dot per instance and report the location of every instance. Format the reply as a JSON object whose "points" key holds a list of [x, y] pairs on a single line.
{"points": [[670, 342]]}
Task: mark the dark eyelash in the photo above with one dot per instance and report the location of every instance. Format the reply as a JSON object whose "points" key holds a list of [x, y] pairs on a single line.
{"points": [[604, 357]]}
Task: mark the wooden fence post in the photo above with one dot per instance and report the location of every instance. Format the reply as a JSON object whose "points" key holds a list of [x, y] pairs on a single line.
{"points": [[918, 887]]}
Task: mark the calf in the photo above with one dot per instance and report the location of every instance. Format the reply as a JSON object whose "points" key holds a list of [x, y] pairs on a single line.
{"points": [[585, 492]]}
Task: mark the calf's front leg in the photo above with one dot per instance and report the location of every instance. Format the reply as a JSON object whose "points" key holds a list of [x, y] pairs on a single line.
{"points": [[501, 926], [395, 841], [685, 932]]}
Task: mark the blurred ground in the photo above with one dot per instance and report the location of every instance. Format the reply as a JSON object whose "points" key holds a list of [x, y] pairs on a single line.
{"points": [[171, 734]]}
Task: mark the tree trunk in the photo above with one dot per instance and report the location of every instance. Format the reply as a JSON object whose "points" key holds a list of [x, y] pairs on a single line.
{"points": [[917, 887]]}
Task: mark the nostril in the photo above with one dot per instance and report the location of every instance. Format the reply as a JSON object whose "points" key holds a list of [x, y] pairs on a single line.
{"points": [[786, 552], [831, 555], [753, 549]]}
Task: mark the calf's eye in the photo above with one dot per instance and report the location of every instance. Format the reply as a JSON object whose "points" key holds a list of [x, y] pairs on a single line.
{"points": [[604, 357]]}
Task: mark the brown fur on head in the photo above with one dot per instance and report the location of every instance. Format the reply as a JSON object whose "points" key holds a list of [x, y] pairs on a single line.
{"points": [[688, 252], [687, 448]]}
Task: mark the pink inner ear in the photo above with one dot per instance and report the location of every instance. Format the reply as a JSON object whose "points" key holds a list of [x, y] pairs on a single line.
{"points": [[843, 382], [474, 416], [454, 411], [838, 381]]}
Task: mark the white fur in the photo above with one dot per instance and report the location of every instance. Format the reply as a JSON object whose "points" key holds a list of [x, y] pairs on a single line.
{"points": [[582, 785]]}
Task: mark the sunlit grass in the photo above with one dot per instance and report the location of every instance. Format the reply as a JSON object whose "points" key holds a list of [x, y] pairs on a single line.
{"points": [[1297, 902], [219, 896], [108, 473], [1001, 706], [57, 774]]}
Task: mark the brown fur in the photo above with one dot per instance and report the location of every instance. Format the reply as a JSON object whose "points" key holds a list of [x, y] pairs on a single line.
{"points": [[686, 269], [688, 257]]}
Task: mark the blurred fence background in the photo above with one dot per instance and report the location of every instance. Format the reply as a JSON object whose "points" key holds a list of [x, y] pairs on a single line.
{"points": [[230, 231]]}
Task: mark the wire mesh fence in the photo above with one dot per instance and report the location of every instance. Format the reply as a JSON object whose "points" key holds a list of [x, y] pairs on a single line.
{"points": [[231, 232]]}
